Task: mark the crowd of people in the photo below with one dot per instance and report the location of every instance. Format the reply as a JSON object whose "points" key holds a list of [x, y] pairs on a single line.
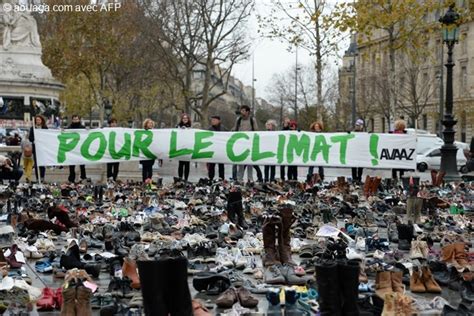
{"points": [[244, 122]]}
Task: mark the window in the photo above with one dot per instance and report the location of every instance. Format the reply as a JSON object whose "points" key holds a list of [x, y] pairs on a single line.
{"points": [[463, 126], [435, 153], [436, 84], [198, 75], [383, 124], [439, 49], [463, 86], [372, 124], [464, 43], [425, 122]]}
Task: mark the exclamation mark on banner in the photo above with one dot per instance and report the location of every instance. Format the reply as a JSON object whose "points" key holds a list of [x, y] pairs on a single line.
{"points": [[374, 143]]}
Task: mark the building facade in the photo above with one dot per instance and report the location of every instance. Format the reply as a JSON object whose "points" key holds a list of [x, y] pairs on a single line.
{"points": [[419, 89]]}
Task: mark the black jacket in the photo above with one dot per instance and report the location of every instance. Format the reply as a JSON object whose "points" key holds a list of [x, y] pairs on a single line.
{"points": [[218, 128], [76, 126], [31, 134]]}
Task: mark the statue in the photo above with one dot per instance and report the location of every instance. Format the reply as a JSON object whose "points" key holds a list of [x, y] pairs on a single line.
{"points": [[19, 29]]}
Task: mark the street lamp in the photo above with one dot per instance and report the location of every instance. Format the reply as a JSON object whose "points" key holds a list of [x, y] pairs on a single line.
{"points": [[352, 51], [449, 150]]}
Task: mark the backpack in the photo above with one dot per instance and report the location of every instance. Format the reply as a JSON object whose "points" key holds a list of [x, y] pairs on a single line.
{"points": [[240, 119]]}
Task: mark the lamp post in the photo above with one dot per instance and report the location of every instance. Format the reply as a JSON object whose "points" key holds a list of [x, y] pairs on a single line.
{"points": [[449, 150], [352, 51]]}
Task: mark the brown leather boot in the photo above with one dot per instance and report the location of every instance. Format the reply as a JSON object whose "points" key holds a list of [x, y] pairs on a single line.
{"points": [[397, 285], [460, 254], [431, 285], [367, 185], [69, 302], [83, 301], [433, 177], [383, 284], [129, 269], [448, 255], [416, 282], [440, 178], [269, 227], [375, 185], [284, 247]]}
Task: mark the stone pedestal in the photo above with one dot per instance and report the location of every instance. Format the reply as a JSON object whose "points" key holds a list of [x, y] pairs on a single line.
{"points": [[22, 74]]}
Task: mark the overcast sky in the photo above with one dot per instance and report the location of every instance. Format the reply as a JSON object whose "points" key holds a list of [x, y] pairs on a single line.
{"points": [[270, 56]]}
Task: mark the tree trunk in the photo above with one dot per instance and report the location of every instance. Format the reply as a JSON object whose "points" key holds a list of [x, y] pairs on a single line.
{"points": [[203, 111], [187, 89], [319, 63]]}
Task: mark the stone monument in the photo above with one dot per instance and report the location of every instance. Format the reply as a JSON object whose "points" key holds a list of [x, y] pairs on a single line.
{"points": [[23, 76]]}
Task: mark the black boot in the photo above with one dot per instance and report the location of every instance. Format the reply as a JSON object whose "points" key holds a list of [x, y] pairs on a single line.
{"points": [[233, 199], [101, 194], [93, 269], [467, 291], [71, 259], [154, 282], [235, 209], [328, 287], [349, 286], [178, 297], [405, 236]]}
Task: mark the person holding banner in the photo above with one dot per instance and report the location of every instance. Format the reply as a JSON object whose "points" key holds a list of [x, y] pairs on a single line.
{"points": [[357, 172], [269, 171], [113, 167], [76, 124], [211, 167], [316, 127], [400, 126], [285, 127], [293, 170], [247, 123], [40, 123], [183, 167], [147, 165]]}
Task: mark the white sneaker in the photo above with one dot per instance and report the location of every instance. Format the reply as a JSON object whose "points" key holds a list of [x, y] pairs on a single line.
{"points": [[379, 254], [240, 261], [353, 254], [417, 229], [360, 243], [224, 258]]}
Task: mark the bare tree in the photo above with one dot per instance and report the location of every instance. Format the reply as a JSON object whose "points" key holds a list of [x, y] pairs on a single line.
{"points": [[281, 92], [416, 88], [309, 24], [201, 37]]}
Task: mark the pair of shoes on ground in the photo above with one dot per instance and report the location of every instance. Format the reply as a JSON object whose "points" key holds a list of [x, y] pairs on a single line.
{"points": [[234, 295]]}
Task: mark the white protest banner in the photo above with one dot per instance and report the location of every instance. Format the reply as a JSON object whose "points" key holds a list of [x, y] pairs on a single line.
{"points": [[73, 147]]}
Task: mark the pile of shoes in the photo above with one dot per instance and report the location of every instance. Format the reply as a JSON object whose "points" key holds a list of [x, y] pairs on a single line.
{"points": [[329, 246]]}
